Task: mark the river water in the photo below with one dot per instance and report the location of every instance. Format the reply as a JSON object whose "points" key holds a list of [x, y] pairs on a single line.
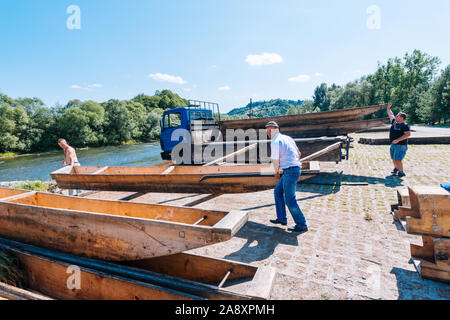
{"points": [[39, 167]]}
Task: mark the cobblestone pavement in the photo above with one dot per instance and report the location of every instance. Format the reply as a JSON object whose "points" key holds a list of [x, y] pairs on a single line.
{"points": [[353, 249]]}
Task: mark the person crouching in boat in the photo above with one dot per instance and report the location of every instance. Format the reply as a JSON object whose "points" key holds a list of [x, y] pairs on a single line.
{"points": [[285, 157], [70, 159]]}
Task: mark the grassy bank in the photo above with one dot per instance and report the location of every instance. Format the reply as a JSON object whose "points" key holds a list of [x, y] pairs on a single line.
{"points": [[36, 186]]}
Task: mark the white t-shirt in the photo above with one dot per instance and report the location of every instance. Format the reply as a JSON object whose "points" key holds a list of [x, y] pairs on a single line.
{"points": [[285, 149]]}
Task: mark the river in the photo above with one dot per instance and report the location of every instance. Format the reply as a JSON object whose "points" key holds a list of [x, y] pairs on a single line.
{"points": [[39, 167]]}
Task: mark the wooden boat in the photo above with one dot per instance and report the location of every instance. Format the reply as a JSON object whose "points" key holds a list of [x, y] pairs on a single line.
{"points": [[315, 118], [180, 276], [111, 230], [332, 129], [175, 179]]}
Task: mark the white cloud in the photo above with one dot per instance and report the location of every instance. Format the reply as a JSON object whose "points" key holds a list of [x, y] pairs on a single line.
{"points": [[224, 88], [167, 78], [263, 59], [96, 85], [301, 78], [88, 88]]}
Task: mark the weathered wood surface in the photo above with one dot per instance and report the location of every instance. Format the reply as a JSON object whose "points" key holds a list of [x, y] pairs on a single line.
{"points": [[209, 270], [316, 118], [57, 279], [185, 276], [8, 292], [182, 179], [433, 256], [322, 152], [111, 230], [430, 211], [332, 129], [232, 155]]}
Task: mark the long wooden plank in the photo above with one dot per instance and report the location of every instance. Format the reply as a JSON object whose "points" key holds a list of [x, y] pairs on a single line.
{"points": [[321, 152], [231, 155], [14, 293]]}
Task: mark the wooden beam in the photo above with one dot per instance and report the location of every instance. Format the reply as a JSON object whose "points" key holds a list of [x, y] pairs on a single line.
{"points": [[321, 152], [241, 151], [14, 293]]}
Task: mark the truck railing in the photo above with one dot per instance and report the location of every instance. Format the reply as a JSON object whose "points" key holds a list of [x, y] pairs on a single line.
{"points": [[212, 106]]}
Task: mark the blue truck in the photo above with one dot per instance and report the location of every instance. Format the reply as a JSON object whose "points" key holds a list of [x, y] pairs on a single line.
{"points": [[197, 115]]}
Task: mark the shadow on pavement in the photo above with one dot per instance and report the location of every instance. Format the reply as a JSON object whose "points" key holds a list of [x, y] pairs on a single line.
{"points": [[338, 178], [412, 287], [261, 242]]}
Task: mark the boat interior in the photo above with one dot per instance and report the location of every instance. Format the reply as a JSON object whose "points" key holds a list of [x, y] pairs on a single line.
{"points": [[117, 208], [176, 170]]}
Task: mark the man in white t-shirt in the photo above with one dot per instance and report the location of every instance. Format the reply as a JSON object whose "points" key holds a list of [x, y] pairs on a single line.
{"points": [[285, 158]]}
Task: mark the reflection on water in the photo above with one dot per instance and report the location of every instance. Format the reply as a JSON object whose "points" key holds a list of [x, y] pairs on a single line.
{"points": [[39, 167]]}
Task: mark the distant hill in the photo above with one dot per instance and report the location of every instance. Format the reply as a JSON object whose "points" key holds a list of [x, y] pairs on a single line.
{"points": [[262, 109]]}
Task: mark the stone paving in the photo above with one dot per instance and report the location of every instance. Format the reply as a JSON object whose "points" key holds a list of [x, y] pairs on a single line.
{"points": [[353, 249]]}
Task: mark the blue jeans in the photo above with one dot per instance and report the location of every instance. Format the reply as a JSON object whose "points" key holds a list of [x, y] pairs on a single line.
{"points": [[285, 195]]}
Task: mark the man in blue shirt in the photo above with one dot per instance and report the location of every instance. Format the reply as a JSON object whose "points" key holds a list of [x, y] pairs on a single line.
{"points": [[285, 157]]}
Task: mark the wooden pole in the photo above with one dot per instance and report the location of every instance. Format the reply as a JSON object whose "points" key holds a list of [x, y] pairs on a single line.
{"points": [[321, 152], [243, 150]]}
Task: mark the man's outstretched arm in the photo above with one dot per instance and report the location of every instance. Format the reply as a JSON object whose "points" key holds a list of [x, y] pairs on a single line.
{"points": [[390, 113]]}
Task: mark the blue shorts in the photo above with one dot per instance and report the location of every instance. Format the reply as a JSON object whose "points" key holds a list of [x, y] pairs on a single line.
{"points": [[398, 151]]}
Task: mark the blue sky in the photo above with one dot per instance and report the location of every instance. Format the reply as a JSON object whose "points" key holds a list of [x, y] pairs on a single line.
{"points": [[225, 51]]}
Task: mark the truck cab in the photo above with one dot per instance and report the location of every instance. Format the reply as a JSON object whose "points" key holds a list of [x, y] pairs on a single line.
{"points": [[197, 118]]}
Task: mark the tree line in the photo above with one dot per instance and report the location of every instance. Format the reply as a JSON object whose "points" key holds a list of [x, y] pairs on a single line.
{"points": [[27, 125]]}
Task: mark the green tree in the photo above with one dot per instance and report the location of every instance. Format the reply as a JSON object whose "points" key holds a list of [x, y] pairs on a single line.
{"points": [[321, 100], [119, 124]]}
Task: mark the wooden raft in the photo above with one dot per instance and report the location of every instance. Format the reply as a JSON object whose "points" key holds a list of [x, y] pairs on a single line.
{"points": [[425, 211]]}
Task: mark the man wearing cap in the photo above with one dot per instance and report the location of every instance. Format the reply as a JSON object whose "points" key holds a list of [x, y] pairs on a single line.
{"points": [[285, 157]]}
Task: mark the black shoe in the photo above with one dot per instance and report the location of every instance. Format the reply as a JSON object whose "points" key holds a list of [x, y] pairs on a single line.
{"points": [[276, 221], [401, 174], [394, 172], [298, 229]]}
